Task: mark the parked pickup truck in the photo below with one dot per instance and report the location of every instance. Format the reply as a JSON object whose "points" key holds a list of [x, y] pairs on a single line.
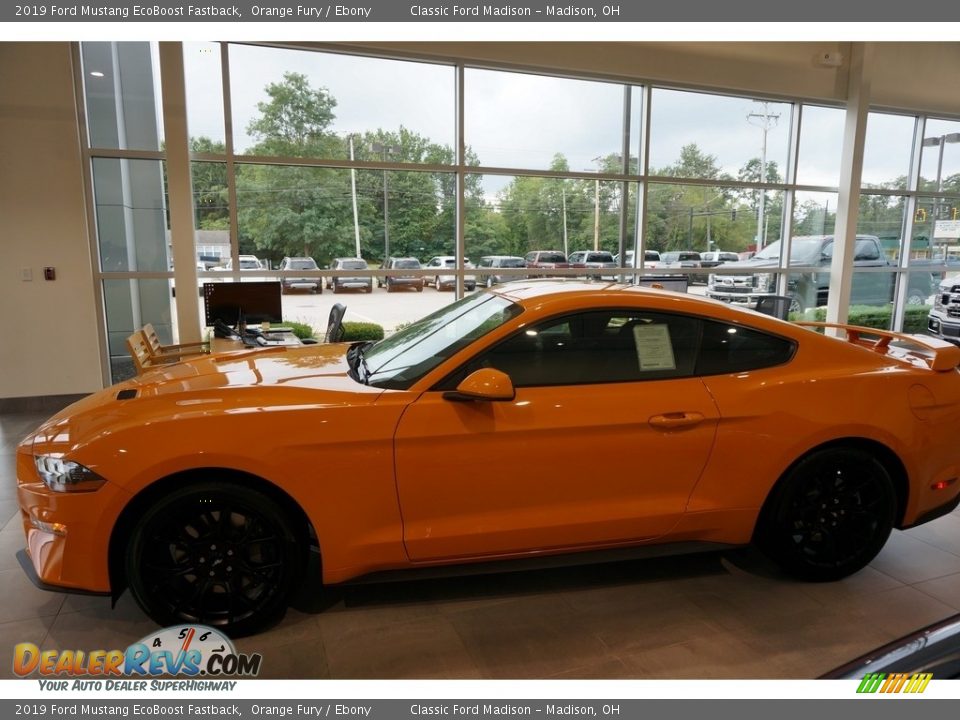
{"points": [[944, 318], [754, 278]]}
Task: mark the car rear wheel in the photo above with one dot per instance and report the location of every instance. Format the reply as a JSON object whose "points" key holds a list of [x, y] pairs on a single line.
{"points": [[214, 553], [830, 515], [336, 287]]}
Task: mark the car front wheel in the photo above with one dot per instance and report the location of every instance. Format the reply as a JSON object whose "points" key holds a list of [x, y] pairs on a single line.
{"points": [[830, 515], [214, 553]]}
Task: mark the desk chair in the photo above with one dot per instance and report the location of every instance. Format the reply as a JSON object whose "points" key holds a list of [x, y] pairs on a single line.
{"points": [[777, 306], [335, 324], [175, 351], [143, 360]]}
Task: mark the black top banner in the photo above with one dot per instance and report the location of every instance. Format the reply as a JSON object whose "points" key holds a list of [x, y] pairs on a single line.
{"points": [[307, 11]]}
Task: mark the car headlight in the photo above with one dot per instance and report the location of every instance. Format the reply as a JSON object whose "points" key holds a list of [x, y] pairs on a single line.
{"points": [[65, 475]]}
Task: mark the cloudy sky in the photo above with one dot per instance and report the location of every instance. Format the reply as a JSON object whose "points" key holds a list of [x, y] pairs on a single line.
{"points": [[516, 120]]}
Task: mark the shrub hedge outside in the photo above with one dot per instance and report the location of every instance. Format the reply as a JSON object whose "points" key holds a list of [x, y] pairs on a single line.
{"points": [[914, 318], [301, 330], [353, 331]]}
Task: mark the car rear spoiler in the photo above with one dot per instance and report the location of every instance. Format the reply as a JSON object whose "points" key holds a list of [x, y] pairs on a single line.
{"points": [[939, 355]]}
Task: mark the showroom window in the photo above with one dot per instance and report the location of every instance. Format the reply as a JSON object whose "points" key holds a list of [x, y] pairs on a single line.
{"points": [[323, 154]]}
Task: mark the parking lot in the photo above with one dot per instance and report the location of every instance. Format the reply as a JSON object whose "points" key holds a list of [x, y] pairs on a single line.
{"points": [[387, 309]]}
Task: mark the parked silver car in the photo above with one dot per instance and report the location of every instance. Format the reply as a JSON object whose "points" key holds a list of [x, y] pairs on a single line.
{"points": [[489, 264], [444, 280], [358, 281]]}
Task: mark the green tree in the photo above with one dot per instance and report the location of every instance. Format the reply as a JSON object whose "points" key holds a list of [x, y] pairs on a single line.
{"points": [[295, 119], [210, 196]]}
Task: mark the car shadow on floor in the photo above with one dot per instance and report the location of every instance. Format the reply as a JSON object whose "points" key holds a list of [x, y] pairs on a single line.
{"points": [[314, 598]]}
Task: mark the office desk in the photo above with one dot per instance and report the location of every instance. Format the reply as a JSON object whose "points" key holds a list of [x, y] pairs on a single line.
{"points": [[218, 345]]}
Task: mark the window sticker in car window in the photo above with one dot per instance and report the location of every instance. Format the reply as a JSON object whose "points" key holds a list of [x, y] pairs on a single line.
{"points": [[654, 349]]}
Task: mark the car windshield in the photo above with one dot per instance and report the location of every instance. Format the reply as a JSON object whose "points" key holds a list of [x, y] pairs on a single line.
{"points": [[408, 264], [354, 265], [249, 265], [403, 358], [552, 258], [599, 257], [513, 263], [302, 265], [801, 250]]}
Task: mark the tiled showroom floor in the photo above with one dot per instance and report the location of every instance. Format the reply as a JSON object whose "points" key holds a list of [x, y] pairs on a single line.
{"points": [[705, 616]]}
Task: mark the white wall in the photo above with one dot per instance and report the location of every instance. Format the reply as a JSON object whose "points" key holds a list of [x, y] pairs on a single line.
{"points": [[50, 344]]}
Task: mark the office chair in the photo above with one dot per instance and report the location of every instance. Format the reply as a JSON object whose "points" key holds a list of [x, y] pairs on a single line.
{"points": [[777, 306], [335, 324]]}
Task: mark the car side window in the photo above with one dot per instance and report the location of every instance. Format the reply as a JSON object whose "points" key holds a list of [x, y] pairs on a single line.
{"points": [[726, 348], [595, 347]]}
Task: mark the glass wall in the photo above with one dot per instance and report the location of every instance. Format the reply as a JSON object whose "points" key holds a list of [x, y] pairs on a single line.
{"points": [[303, 160]]}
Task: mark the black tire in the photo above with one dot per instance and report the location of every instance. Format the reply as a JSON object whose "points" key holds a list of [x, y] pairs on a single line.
{"points": [[829, 515], [214, 553], [336, 287], [916, 297]]}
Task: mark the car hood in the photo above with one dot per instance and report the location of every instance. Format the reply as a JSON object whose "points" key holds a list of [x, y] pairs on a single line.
{"points": [[257, 380]]}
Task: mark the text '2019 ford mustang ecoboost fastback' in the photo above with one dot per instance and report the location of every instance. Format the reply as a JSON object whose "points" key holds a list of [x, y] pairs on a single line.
{"points": [[203, 485]]}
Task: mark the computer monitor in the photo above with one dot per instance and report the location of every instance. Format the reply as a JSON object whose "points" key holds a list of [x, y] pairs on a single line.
{"points": [[257, 302]]}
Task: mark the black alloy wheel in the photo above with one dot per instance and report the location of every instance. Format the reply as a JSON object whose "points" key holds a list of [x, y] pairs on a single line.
{"points": [[830, 515], [217, 554]]}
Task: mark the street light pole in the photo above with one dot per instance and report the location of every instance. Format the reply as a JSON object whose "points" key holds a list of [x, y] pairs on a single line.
{"points": [[353, 190], [766, 126]]}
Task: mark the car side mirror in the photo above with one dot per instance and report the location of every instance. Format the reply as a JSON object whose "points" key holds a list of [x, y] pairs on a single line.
{"points": [[483, 384]]}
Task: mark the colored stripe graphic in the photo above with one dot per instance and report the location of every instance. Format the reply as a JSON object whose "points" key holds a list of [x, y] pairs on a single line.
{"points": [[894, 683]]}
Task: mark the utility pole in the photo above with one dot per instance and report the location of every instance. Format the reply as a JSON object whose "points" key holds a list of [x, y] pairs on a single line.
{"points": [[386, 150], [766, 121]]}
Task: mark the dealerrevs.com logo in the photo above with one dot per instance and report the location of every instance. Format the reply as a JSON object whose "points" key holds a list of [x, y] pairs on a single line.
{"points": [[184, 650], [894, 683]]}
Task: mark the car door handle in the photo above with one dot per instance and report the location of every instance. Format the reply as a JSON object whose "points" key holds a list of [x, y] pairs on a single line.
{"points": [[674, 420]]}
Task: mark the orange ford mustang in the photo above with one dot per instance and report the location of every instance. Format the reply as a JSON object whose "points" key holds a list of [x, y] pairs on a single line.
{"points": [[203, 485]]}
